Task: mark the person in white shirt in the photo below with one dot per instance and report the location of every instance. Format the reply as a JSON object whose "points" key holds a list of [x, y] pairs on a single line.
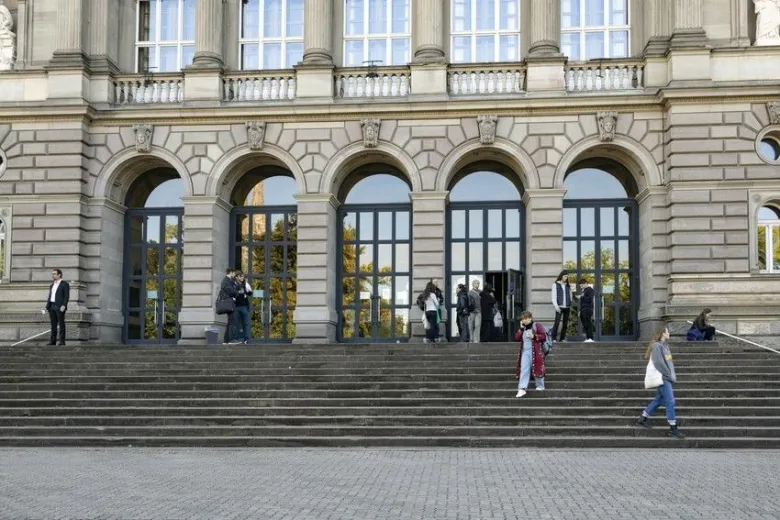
{"points": [[561, 300], [57, 304], [431, 313]]}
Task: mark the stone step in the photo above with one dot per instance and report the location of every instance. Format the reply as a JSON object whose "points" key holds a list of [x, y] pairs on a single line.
{"points": [[518, 410]]}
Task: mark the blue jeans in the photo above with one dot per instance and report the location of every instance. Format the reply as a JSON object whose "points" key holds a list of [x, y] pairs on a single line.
{"points": [[241, 321], [663, 396], [526, 361]]}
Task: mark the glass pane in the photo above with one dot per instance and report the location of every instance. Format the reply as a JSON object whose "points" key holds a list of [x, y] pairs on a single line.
{"points": [[594, 12], [402, 290], [458, 224], [619, 12], [486, 15], [775, 248], [272, 18], [401, 323], [607, 254], [608, 321], [400, 49], [365, 325], [348, 290], [402, 258], [377, 51], [624, 287], [172, 259], [385, 317], [587, 222], [377, 16], [453, 288], [250, 26], [626, 321], [624, 260], [495, 223], [570, 222], [169, 60], [289, 324], [187, 55], [355, 17], [461, 15], [762, 247], [618, 44], [570, 255], [169, 20], [354, 54], [258, 260], [385, 258], [400, 16], [348, 324], [608, 288], [495, 256], [607, 225], [170, 327], [508, 14], [152, 261], [188, 29], [512, 255], [152, 231], [475, 256], [458, 256], [277, 259], [349, 226], [295, 18], [272, 55], [294, 54], [508, 47], [512, 223], [475, 224], [485, 49], [366, 226], [624, 221], [147, 22], [150, 325], [570, 45], [385, 226], [366, 258], [133, 325], [461, 49], [587, 255], [594, 45], [277, 323], [570, 13], [402, 225]]}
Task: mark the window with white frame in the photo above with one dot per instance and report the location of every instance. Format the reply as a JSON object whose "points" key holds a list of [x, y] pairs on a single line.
{"points": [[377, 32], [165, 39], [271, 34], [485, 31], [768, 239], [594, 29]]}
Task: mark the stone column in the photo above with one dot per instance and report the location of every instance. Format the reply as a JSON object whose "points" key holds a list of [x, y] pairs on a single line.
{"points": [[315, 309], [208, 34], [429, 210], [544, 248], [103, 40], [545, 28], [428, 31], [205, 258], [688, 24], [69, 52], [318, 32], [689, 54]]}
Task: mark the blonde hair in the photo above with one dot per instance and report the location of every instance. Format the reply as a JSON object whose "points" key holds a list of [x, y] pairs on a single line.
{"points": [[657, 336]]}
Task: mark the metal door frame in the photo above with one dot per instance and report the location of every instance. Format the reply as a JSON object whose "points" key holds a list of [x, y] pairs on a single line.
{"points": [[375, 209], [484, 207], [267, 306], [633, 247], [161, 277]]}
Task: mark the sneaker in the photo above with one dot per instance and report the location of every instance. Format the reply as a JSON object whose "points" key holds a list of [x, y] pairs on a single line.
{"points": [[674, 432], [643, 422], [520, 393], [539, 389], [588, 341], [246, 342]]}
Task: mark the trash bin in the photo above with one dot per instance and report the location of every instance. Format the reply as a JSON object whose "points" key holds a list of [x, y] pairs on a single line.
{"points": [[212, 336]]}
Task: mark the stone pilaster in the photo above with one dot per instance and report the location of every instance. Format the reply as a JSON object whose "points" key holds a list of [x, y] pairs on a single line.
{"points": [[208, 34], [318, 32], [544, 248], [22, 13], [205, 258], [688, 25], [689, 53], [315, 309], [103, 30], [104, 295], [653, 265], [69, 52], [428, 35], [429, 210], [545, 28], [658, 26]]}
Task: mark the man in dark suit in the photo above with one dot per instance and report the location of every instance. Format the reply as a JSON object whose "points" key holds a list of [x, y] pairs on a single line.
{"points": [[57, 304]]}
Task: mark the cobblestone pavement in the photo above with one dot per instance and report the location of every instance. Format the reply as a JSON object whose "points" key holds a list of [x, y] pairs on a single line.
{"points": [[126, 484]]}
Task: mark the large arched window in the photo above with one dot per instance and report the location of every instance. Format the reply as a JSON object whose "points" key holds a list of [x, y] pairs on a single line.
{"points": [[593, 29], [165, 37], [485, 30], [271, 34], [768, 239], [377, 32]]}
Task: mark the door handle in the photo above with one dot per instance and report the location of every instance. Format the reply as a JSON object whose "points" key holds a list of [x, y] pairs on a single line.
{"points": [[156, 308]]}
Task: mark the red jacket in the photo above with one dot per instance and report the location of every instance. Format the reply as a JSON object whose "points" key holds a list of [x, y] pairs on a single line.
{"points": [[538, 369]]}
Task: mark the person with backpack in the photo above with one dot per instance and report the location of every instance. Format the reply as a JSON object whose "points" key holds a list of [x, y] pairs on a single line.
{"points": [[586, 308], [462, 311], [475, 312], [488, 311], [530, 356], [429, 304], [661, 375]]}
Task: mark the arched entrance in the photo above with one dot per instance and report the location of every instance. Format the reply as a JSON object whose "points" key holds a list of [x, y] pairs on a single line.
{"points": [[375, 237], [601, 243], [152, 280], [264, 244], [485, 240]]}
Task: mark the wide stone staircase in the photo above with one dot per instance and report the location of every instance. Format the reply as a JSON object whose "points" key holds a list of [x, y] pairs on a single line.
{"points": [[379, 395]]}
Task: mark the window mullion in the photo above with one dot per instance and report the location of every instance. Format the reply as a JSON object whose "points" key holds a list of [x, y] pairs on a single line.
{"points": [[283, 31], [261, 33]]}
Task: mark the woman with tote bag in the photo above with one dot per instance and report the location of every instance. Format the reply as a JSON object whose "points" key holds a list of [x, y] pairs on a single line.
{"points": [[660, 374]]}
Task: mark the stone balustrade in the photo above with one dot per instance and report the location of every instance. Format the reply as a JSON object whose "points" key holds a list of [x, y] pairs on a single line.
{"points": [[272, 85], [148, 90], [387, 82], [595, 76], [486, 79]]}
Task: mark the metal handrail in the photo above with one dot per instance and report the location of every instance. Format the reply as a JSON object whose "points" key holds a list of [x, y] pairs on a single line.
{"points": [[31, 337], [743, 339]]}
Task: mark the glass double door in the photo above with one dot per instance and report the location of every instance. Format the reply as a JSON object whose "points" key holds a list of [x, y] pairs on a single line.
{"points": [[152, 278], [375, 273], [600, 244], [265, 248]]}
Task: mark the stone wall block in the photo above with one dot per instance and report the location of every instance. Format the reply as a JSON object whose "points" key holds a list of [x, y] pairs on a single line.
{"points": [[683, 238]]}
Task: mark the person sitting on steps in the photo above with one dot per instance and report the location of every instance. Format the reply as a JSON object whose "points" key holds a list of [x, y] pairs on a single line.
{"points": [[701, 328]]}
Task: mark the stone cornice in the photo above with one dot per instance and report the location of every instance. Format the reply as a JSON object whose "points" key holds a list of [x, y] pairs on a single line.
{"points": [[544, 193], [429, 195], [328, 198], [649, 191], [47, 198], [203, 200]]}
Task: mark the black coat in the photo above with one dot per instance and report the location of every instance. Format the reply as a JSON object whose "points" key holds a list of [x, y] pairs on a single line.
{"points": [[463, 303], [61, 297]]}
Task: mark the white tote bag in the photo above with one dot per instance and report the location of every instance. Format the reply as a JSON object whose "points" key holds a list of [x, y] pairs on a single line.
{"points": [[498, 320], [653, 378]]}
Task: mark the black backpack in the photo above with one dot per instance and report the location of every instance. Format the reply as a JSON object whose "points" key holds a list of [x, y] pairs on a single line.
{"points": [[421, 301]]}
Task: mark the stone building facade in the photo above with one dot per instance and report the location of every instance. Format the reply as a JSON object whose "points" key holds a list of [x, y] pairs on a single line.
{"points": [[687, 121]]}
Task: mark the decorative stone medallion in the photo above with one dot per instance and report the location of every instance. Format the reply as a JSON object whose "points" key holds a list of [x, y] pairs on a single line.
{"points": [[773, 107], [143, 137], [370, 132], [255, 134], [607, 122], [487, 128]]}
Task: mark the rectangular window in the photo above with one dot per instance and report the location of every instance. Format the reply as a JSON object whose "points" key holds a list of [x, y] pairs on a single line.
{"points": [[377, 32], [165, 36], [485, 31], [271, 34], [595, 29]]}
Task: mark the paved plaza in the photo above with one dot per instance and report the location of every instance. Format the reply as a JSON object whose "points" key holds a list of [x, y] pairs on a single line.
{"points": [[300, 484]]}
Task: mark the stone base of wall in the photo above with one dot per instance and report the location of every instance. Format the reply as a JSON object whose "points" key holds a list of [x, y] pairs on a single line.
{"points": [[16, 326], [755, 323]]}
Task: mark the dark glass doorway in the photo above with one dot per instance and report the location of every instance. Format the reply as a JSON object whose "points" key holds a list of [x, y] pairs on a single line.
{"points": [[600, 243], [374, 272], [152, 275], [509, 287], [265, 247]]}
